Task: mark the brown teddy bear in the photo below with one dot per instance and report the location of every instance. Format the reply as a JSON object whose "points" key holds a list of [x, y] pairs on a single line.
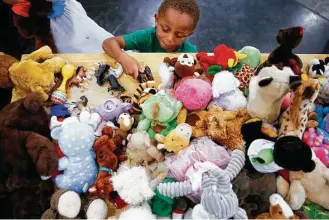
{"points": [[26, 156], [108, 163], [69, 205], [29, 75], [222, 126]]}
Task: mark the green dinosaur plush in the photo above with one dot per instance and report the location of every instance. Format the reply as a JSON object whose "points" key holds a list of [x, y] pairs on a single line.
{"points": [[159, 114]]}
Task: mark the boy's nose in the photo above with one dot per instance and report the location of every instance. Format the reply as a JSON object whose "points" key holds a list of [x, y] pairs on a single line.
{"points": [[170, 38]]}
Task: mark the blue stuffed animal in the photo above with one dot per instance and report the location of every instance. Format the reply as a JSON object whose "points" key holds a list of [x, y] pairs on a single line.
{"points": [[76, 138], [322, 118]]}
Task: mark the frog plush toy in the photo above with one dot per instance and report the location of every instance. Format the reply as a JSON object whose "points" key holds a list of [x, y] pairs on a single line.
{"points": [[159, 114]]}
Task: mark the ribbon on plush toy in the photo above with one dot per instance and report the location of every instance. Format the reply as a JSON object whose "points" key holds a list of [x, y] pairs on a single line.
{"points": [[22, 8]]}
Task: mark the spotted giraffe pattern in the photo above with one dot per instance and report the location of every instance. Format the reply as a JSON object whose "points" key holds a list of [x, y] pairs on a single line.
{"points": [[287, 127], [244, 75]]}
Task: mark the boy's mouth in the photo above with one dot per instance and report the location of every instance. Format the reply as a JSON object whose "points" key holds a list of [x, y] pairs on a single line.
{"points": [[168, 48]]}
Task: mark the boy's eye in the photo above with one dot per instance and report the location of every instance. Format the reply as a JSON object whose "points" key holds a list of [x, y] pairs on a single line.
{"points": [[165, 29]]}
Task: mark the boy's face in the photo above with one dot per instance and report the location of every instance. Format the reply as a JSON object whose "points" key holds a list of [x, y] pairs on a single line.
{"points": [[173, 28]]}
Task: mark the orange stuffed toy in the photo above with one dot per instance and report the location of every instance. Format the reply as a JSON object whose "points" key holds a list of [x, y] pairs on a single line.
{"points": [[108, 163]]}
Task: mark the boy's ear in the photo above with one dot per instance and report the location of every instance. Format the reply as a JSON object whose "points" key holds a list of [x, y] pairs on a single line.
{"points": [[156, 18], [190, 33]]}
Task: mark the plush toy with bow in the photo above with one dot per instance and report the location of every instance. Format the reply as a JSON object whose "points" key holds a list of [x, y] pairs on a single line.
{"points": [[76, 138], [35, 73], [282, 56]]}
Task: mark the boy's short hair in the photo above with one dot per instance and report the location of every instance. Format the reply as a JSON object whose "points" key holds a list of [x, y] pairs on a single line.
{"points": [[189, 7]]}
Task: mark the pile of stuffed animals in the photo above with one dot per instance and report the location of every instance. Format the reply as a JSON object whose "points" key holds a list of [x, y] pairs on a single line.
{"points": [[224, 136]]}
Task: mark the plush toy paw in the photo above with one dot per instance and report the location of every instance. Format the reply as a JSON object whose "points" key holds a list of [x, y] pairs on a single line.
{"points": [[296, 196], [97, 209], [69, 204]]}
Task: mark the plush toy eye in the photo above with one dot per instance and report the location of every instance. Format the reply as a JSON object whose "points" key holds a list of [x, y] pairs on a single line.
{"points": [[265, 81], [189, 63]]}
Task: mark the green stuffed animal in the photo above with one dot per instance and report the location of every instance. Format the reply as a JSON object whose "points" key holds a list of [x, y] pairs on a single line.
{"points": [[159, 114]]}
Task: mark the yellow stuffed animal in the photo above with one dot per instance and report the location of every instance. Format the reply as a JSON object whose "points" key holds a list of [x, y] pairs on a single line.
{"points": [[177, 140], [29, 75]]}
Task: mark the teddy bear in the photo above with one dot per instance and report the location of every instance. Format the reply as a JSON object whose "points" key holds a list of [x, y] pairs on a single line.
{"points": [[177, 140], [107, 162], [75, 138], [35, 73], [222, 126], [66, 204], [27, 157], [141, 149], [306, 185]]}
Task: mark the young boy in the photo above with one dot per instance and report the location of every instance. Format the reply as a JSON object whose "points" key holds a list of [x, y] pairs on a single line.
{"points": [[175, 21]]}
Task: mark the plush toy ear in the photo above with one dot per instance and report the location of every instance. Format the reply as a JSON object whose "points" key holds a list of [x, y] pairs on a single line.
{"points": [[5, 63], [55, 133], [265, 81]]}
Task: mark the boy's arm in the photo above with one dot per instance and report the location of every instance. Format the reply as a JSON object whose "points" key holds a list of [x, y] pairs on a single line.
{"points": [[112, 47]]}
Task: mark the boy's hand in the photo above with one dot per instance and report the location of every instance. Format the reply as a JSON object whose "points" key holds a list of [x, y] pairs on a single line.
{"points": [[130, 65]]}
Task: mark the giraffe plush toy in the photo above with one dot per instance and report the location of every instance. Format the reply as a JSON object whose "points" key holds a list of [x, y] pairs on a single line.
{"points": [[289, 150], [293, 121]]}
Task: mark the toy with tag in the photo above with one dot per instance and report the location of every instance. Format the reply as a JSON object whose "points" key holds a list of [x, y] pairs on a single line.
{"points": [[60, 95], [177, 140]]}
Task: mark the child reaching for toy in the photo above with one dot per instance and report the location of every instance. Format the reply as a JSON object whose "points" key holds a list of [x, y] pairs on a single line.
{"points": [[175, 21]]}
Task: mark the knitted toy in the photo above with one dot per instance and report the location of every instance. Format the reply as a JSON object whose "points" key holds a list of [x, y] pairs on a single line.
{"points": [[27, 157], [226, 93], [29, 75], [197, 87], [315, 141], [159, 114], [290, 153], [143, 92], [279, 209], [218, 200], [283, 56], [107, 161], [69, 205], [221, 126], [177, 140], [76, 138], [266, 91], [312, 185], [254, 190], [142, 149], [132, 185]]}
